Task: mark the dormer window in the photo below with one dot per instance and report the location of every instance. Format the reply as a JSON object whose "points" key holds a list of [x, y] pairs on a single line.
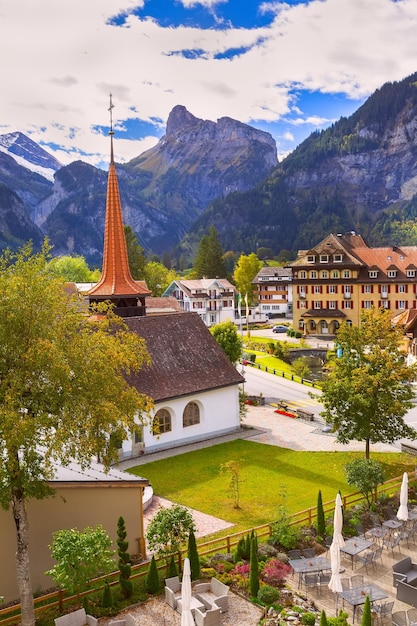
{"points": [[410, 273], [324, 258], [392, 273], [311, 258], [325, 274], [338, 258], [373, 274], [302, 274]]}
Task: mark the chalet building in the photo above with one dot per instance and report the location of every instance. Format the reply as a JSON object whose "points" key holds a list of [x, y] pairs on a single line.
{"points": [[274, 290], [212, 298], [341, 276]]}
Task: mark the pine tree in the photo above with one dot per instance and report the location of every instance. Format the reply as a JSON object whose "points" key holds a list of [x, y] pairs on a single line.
{"points": [[193, 556], [366, 614], [323, 618], [152, 578], [209, 261], [172, 568], [107, 600], [125, 567], [254, 569], [321, 522]]}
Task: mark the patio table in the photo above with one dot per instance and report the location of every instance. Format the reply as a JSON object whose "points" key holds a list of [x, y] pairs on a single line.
{"points": [[195, 603], [354, 546], [304, 566], [378, 532], [357, 596], [392, 524]]}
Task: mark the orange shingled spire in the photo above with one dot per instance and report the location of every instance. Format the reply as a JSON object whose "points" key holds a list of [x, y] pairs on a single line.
{"points": [[116, 280]]}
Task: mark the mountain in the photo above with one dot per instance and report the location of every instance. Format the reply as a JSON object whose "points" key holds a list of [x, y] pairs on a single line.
{"points": [[360, 174], [162, 191], [29, 154]]}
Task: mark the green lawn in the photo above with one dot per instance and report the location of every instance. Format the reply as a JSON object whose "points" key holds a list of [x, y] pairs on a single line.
{"points": [[194, 479]]}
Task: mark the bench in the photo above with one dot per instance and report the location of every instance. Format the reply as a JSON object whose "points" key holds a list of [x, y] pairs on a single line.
{"points": [[213, 594], [76, 618]]}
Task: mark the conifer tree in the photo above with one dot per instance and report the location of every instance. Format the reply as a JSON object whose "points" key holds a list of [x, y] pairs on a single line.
{"points": [[193, 556], [172, 568], [209, 261], [254, 568], [321, 522], [366, 614], [107, 600], [323, 618], [152, 578], [125, 566]]}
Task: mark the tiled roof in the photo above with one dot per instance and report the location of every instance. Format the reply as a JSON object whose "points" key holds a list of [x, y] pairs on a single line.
{"points": [[186, 359], [388, 257], [155, 306], [407, 319]]}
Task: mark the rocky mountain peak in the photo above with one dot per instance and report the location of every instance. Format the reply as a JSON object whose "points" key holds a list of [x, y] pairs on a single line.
{"points": [[179, 119]]}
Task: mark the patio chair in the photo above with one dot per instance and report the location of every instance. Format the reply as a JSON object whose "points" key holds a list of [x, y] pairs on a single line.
{"points": [[390, 543], [383, 610], [172, 591], [323, 580], [310, 581], [294, 554], [308, 553], [356, 581], [412, 617], [366, 559], [399, 618], [377, 553], [328, 542], [212, 617]]}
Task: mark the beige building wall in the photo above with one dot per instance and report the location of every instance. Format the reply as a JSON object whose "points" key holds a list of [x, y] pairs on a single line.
{"points": [[72, 507]]}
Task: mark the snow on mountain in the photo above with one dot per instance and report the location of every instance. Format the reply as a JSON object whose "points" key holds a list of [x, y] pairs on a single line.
{"points": [[29, 154]]}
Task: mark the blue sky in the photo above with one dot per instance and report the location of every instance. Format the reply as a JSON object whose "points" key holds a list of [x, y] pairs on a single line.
{"points": [[288, 68]]}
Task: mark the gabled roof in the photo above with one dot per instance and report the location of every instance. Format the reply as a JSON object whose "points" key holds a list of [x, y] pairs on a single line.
{"points": [[203, 285], [334, 244], [186, 359]]}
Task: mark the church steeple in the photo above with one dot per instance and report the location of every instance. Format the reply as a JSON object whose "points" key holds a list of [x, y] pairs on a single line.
{"points": [[116, 283]]}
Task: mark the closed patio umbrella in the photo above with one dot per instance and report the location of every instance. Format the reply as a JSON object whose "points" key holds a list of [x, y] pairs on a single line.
{"points": [[186, 615], [402, 512], [335, 583]]}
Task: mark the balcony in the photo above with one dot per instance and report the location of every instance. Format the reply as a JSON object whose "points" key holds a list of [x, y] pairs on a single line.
{"points": [[384, 294], [347, 294]]}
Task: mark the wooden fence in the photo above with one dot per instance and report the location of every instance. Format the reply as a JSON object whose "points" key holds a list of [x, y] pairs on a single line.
{"points": [[58, 599]]}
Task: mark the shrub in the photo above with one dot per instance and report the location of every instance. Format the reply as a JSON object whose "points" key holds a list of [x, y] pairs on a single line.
{"points": [[274, 573], [321, 523], [172, 568], [193, 556], [268, 595], [308, 619], [107, 600], [125, 567]]}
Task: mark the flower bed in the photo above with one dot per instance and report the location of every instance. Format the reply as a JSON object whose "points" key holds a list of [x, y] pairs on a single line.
{"points": [[287, 413]]}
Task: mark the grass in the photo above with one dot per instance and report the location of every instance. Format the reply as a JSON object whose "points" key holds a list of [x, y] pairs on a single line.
{"points": [[194, 479]]}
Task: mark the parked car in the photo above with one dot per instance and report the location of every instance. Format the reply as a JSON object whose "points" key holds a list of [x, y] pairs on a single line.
{"points": [[279, 329]]}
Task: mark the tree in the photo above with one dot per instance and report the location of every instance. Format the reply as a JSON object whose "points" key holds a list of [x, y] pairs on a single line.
{"points": [[73, 269], [125, 567], [81, 556], [227, 337], [366, 613], [158, 277], [254, 568], [233, 469], [135, 254], [321, 522], [192, 553], [169, 529], [365, 475], [209, 261], [245, 271], [152, 578], [62, 389], [365, 393]]}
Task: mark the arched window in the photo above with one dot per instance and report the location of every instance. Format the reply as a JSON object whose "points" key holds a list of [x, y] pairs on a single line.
{"points": [[191, 414], [161, 422]]}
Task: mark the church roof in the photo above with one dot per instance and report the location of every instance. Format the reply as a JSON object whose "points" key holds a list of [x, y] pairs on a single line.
{"points": [[116, 279], [186, 359]]}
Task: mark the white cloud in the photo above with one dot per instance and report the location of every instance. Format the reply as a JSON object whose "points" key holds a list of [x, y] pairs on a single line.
{"points": [[61, 60]]}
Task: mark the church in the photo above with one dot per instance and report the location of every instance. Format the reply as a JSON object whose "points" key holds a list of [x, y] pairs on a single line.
{"points": [[194, 386]]}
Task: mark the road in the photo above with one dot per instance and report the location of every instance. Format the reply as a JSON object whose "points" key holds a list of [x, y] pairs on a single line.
{"points": [[275, 388]]}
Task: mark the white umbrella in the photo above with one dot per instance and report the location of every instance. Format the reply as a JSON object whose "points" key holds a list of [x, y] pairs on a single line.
{"points": [[335, 584], [402, 512], [186, 615]]}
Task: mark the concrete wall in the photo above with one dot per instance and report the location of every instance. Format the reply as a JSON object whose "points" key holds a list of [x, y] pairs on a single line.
{"points": [[72, 507]]}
